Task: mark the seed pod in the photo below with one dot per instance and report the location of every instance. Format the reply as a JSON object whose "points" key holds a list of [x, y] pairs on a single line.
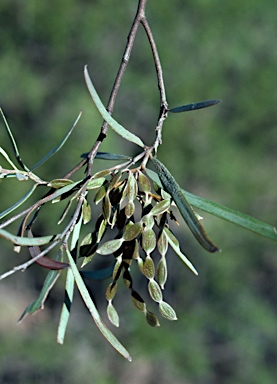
{"points": [[96, 183], [148, 221], [112, 315], [100, 194], [86, 212], [117, 269], [161, 207], [103, 173], [106, 208], [131, 187], [110, 247], [144, 182], [131, 231], [148, 240], [162, 272], [167, 311], [138, 301], [152, 319], [148, 268], [127, 279], [115, 179], [162, 244], [111, 291], [155, 291], [130, 209]]}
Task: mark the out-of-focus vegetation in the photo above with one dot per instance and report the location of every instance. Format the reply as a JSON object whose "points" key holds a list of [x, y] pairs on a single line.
{"points": [[227, 327]]}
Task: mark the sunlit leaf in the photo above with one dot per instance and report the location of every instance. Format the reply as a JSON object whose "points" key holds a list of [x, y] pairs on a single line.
{"points": [[59, 183], [48, 284], [25, 241], [110, 246], [119, 129], [175, 245], [93, 311], [65, 313]]}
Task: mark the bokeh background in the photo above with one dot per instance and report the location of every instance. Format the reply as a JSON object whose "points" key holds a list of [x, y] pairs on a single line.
{"points": [[227, 317]]}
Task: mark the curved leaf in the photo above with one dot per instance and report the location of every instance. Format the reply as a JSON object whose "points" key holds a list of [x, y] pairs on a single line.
{"points": [[93, 310], [15, 149], [56, 149], [119, 129], [19, 202], [26, 241], [48, 284]]}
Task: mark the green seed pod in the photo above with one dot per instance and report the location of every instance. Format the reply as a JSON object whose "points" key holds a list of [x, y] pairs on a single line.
{"points": [[148, 240], [130, 209], [115, 179], [167, 311], [106, 208], [112, 315], [155, 291], [111, 291], [148, 268], [131, 187], [100, 194], [86, 212], [127, 279], [152, 319], [161, 207], [117, 269], [59, 183], [144, 183], [162, 272], [131, 231], [96, 183], [110, 247], [137, 301], [103, 173], [162, 244], [148, 221]]}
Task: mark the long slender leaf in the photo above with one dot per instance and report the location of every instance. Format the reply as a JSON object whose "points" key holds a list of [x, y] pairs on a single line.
{"points": [[26, 241], [48, 284], [228, 214], [194, 106], [108, 156], [56, 149], [19, 202], [15, 149], [235, 217], [119, 129], [65, 313], [176, 247], [94, 313]]}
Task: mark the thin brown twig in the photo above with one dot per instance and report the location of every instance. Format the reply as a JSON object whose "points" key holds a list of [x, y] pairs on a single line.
{"points": [[140, 14]]}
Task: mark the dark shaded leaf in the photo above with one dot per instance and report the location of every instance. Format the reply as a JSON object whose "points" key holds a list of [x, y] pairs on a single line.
{"points": [[170, 185], [194, 106]]}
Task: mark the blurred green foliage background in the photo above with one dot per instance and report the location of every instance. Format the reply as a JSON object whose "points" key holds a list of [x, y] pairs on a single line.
{"points": [[227, 327]]}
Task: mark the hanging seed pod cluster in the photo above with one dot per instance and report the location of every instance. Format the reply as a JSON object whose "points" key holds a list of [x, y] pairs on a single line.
{"points": [[139, 212]]}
